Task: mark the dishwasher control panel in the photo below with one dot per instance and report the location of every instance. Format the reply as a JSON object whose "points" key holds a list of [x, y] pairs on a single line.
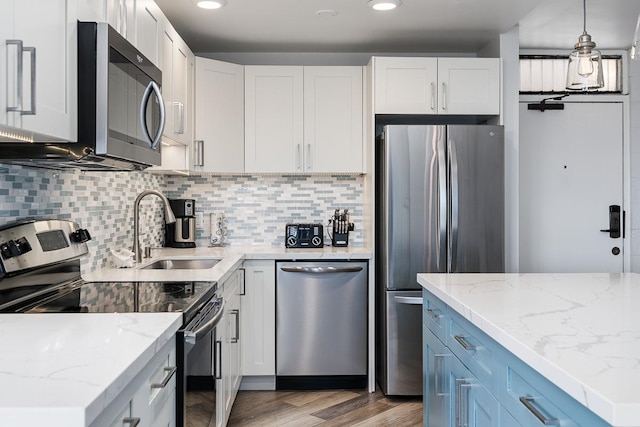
{"points": [[304, 236]]}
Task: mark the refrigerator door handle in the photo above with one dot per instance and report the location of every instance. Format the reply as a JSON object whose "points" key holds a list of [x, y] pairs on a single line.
{"points": [[453, 242], [409, 300], [442, 212]]}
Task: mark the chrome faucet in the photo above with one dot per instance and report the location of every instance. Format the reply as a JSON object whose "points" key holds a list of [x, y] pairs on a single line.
{"points": [[169, 218]]}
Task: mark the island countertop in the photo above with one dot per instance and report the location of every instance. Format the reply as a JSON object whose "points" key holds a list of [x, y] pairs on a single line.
{"points": [[65, 369], [580, 331]]}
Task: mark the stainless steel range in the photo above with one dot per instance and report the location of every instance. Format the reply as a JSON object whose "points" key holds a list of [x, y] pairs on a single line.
{"points": [[40, 273]]}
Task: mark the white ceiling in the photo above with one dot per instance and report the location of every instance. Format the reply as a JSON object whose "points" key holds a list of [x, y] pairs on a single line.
{"points": [[417, 26]]}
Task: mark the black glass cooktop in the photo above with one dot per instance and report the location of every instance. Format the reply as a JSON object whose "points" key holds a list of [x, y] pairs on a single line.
{"points": [[126, 297]]}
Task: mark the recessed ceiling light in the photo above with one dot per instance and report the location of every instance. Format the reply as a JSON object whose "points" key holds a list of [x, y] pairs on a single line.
{"points": [[326, 13], [210, 4], [384, 4]]}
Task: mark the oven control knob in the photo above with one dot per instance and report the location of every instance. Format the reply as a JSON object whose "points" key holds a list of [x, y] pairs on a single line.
{"points": [[9, 249], [316, 241], [291, 241], [81, 235], [23, 245]]}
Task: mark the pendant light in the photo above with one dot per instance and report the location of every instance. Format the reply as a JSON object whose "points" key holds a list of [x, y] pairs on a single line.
{"points": [[585, 62]]}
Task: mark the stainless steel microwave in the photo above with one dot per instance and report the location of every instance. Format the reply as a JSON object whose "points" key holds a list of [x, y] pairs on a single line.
{"points": [[121, 112]]}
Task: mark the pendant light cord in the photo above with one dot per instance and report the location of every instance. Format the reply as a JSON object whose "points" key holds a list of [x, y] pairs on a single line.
{"points": [[584, 15]]}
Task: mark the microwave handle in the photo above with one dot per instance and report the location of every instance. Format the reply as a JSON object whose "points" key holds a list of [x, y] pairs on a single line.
{"points": [[152, 87]]}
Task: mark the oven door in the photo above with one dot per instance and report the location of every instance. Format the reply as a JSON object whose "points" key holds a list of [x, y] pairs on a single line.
{"points": [[198, 349]]}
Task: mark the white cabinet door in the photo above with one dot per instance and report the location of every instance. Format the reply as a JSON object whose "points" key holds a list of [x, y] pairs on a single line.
{"points": [[229, 335], [168, 45], [148, 29], [468, 86], [121, 16], [273, 119], [258, 318], [333, 119], [405, 85], [219, 132], [42, 92]]}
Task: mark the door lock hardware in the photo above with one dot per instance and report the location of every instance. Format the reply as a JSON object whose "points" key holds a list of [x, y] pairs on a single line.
{"points": [[614, 222]]}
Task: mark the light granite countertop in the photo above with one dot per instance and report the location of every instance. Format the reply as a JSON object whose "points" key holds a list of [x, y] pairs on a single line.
{"points": [[231, 257], [580, 331], [62, 370]]}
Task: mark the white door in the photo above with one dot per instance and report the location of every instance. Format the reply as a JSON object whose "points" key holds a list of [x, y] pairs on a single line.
{"points": [[571, 171]]}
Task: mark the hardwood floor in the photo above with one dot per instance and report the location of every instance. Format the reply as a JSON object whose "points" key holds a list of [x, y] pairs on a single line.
{"points": [[324, 408]]}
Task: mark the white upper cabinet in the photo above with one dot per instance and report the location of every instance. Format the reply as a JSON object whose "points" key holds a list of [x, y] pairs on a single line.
{"points": [[148, 29], [121, 16], [436, 85], [405, 85], [219, 130], [469, 85], [333, 119], [303, 119], [175, 60], [273, 119], [38, 80]]}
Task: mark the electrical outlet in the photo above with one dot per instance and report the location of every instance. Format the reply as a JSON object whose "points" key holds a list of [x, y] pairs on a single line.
{"points": [[199, 219]]}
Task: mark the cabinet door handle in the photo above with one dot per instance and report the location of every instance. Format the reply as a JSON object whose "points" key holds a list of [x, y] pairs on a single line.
{"points": [[130, 421], [440, 388], [243, 292], [20, 49], [432, 313], [217, 362], [464, 343], [237, 314], [170, 372], [198, 153], [307, 157], [180, 108], [433, 96], [444, 96], [409, 300], [528, 402], [298, 158]]}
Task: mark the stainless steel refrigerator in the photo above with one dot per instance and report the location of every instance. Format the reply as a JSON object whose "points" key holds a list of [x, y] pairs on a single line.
{"points": [[439, 209]]}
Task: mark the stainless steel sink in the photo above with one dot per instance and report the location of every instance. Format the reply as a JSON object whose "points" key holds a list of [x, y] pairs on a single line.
{"points": [[182, 264]]}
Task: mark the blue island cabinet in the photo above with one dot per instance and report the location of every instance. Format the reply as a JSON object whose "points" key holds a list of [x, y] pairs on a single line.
{"points": [[472, 381]]}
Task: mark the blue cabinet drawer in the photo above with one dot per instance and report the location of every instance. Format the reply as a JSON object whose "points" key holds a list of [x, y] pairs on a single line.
{"points": [[534, 401], [475, 349], [434, 314]]}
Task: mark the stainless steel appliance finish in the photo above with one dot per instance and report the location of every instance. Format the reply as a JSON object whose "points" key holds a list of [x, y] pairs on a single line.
{"points": [[440, 208], [40, 273], [121, 112], [321, 324]]}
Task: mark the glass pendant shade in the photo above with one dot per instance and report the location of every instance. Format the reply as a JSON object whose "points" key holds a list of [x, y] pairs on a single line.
{"points": [[585, 70], [585, 62]]}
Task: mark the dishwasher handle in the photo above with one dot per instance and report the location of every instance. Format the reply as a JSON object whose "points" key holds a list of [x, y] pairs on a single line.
{"points": [[322, 270]]}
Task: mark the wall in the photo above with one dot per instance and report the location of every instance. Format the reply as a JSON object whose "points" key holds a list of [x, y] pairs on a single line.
{"points": [[101, 202], [256, 207]]}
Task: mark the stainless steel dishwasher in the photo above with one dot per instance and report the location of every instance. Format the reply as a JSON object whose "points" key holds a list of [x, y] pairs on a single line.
{"points": [[321, 325]]}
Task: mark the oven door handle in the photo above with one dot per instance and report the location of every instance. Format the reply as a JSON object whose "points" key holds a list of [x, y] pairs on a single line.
{"points": [[193, 337]]}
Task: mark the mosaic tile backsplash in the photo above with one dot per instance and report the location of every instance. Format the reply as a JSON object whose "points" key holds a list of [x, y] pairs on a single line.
{"points": [[257, 208]]}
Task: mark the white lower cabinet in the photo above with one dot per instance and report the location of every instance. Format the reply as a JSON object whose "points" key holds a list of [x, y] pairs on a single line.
{"points": [[228, 342], [258, 324], [149, 399]]}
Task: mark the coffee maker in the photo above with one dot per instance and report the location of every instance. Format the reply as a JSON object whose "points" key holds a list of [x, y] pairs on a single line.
{"points": [[182, 234]]}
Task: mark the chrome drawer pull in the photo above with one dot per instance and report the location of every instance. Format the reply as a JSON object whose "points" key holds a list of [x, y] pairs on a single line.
{"points": [[463, 342], [170, 372], [528, 402], [432, 313]]}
